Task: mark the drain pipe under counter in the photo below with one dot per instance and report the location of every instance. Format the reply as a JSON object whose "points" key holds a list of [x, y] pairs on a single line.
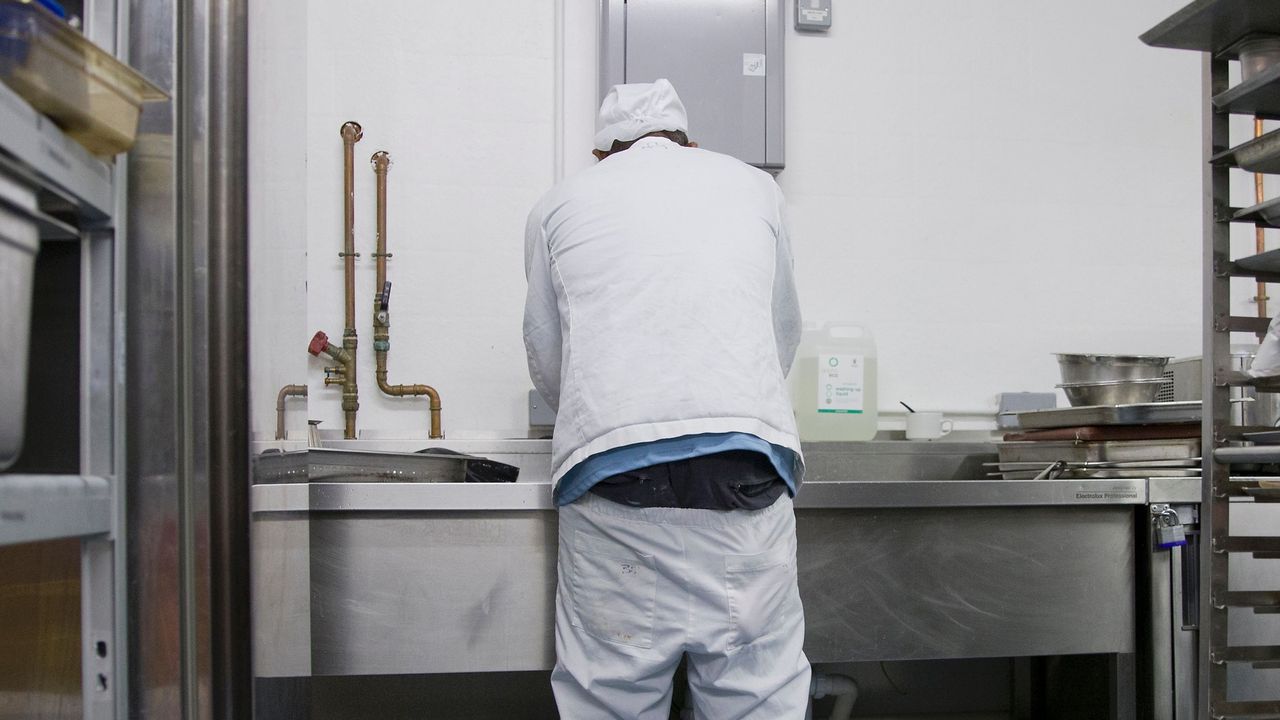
{"points": [[842, 687]]}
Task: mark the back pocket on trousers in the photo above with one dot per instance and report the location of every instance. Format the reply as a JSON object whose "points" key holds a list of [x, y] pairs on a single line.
{"points": [[614, 591], [761, 591]]}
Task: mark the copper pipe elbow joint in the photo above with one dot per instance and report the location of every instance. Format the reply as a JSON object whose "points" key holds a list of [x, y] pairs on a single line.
{"points": [[351, 131], [285, 392]]}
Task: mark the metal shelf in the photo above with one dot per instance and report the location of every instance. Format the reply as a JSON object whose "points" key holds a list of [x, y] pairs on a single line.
{"points": [[1252, 544], [1257, 599], [1243, 323], [1266, 213], [61, 165], [1236, 378], [1249, 653], [1247, 710], [1265, 264], [1214, 25], [50, 228], [1260, 155], [49, 507], [1259, 96], [1245, 455]]}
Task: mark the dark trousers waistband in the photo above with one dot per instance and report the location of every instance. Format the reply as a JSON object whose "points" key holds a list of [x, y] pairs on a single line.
{"points": [[732, 480]]}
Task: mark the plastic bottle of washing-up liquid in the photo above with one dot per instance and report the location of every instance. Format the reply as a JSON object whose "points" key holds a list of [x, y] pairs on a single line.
{"points": [[833, 383]]}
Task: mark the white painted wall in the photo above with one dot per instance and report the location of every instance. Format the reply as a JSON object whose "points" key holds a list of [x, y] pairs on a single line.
{"points": [[986, 183], [278, 220], [983, 183]]}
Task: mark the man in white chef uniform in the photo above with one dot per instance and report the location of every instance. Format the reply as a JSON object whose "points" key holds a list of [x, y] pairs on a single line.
{"points": [[661, 321]]}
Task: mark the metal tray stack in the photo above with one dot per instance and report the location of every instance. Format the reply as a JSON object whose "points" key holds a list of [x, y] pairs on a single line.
{"points": [[1161, 413], [1027, 460], [1104, 441]]}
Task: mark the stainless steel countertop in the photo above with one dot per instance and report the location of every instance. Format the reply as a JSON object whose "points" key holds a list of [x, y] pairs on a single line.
{"points": [[819, 494], [881, 474]]}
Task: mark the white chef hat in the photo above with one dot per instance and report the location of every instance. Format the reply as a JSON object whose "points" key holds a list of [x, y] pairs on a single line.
{"points": [[636, 109]]}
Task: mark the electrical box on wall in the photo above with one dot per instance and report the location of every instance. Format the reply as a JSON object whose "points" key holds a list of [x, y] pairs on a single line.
{"points": [[813, 15], [724, 57]]}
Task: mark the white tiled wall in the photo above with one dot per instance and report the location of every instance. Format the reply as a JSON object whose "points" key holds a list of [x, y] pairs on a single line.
{"points": [[983, 183]]}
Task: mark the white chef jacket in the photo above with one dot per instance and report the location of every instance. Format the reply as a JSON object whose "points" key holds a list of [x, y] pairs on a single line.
{"points": [[661, 302]]}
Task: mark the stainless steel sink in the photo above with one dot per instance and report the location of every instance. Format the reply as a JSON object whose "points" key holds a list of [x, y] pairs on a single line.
{"points": [[332, 465]]}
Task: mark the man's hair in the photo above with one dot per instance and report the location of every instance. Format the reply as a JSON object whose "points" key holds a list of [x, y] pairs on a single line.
{"points": [[676, 136]]}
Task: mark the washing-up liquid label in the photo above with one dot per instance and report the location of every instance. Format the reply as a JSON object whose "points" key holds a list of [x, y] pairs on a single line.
{"points": [[840, 383]]}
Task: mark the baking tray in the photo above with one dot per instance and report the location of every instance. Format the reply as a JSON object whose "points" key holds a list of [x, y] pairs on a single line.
{"points": [[330, 465], [1098, 452], [1269, 437], [1116, 459], [1070, 473], [1260, 95], [1263, 494], [1103, 433], [1265, 213], [1267, 262], [1259, 155], [1166, 413]]}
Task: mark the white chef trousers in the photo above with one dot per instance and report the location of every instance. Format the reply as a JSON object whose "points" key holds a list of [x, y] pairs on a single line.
{"points": [[639, 587]]}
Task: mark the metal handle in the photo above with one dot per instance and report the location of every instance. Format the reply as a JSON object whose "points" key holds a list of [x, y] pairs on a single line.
{"points": [[1052, 472]]}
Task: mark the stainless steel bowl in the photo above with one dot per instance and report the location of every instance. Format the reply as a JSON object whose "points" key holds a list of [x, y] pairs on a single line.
{"points": [[1112, 392], [1082, 368]]}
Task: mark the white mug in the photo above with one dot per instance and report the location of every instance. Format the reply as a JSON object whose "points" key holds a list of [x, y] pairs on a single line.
{"points": [[927, 426]]}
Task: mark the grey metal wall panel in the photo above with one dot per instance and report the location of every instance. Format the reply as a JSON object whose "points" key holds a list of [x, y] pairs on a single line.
{"points": [[775, 84], [613, 44], [725, 57]]}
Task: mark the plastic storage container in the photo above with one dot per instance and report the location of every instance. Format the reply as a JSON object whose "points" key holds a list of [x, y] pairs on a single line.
{"points": [[94, 97], [833, 383], [1257, 54], [19, 242]]}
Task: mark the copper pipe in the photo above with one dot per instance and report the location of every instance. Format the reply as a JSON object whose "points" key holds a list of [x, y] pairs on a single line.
{"points": [[381, 301], [286, 392], [351, 134], [381, 161], [406, 390], [344, 374], [1259, 237]]}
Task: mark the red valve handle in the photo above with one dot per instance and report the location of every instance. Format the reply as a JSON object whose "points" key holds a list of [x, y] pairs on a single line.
{"points": [[318, 343]]}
